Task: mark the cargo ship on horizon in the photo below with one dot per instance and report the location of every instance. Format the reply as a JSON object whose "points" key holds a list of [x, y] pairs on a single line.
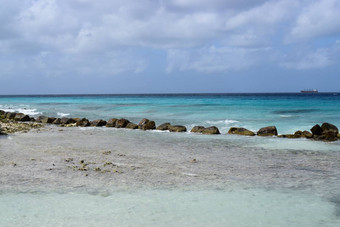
{"points": [[313, 91]]}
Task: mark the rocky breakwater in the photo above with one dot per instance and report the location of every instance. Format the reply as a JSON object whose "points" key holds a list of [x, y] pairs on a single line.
{"points": [[11, 122], [325, 132]]}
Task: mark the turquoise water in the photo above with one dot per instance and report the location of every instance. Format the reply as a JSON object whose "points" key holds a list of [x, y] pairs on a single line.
{"points": [[288, 112], [236, 181]]}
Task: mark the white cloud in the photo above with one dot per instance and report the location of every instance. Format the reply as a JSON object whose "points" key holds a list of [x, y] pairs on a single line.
{"points": [[322, 18], [216, 59]]}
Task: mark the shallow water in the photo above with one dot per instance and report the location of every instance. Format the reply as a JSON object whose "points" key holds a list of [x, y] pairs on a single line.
{"points": [[154, 180], [289, 112]]}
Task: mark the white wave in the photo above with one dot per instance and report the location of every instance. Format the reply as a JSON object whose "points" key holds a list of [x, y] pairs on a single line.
{"points": [[63, 114], [227, 121], [21, 110], [285, 116]]}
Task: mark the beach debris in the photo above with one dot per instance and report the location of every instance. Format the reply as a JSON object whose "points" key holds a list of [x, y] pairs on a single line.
{"points": [[194, 160], [164, 126], [146, 124], [267, 131], [97, 169], [177, 128], [106, 152], [241, 131]]}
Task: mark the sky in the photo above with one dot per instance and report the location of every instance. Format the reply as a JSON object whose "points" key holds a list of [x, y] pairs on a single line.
{"points": [[174, 46]]}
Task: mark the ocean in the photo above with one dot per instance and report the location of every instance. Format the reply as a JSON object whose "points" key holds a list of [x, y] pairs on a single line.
{"points": [[153, 178]]}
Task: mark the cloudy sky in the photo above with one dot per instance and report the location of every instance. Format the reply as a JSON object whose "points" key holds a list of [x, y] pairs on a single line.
{"points": [[157, 46]]}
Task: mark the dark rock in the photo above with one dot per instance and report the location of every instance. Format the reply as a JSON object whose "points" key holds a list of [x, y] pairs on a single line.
{"points": [[98, 123], [164, 126], [22, 117], [121, 123], [316, 130], [241, 131], [304, 134], [267, 131], [211, 130], [177, 128], [57, 121], [2, 113], [338, 136], [327, 127], [146, 124], [65, 121], [2, 133], [131, 125], [45, 119], [111, 122], [290, 136], [83, 122], [10, 115], [197, 129]]}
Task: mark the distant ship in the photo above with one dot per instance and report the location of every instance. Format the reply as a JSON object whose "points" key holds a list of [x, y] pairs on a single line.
{"points": [[309, 91]]}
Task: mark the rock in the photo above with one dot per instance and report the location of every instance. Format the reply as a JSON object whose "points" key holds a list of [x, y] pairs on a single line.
{"points": [[146, 124], [304, 134], [316, 130], [56, 121], [164, 126], [22, 117], [45, 119], [84, 122], [241, 131], [211, 130], [2, 133], [131, 125], [98, 123], [65, 121], [111, 122], [121, 123], [338, 136], [2, 113], [197, 129], [267, 131], [177, 128], [327, 127], [290, 136], [326, 132], [10, 115]]}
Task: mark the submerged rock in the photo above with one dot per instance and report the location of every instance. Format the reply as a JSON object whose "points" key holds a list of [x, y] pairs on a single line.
{"points": [[146, 124], [241, 131], [121, 123], [177, 128], [267, 131], [111, 122], [98, 123], [22, 117], [164, 126], [131, 125], [290, 136]]}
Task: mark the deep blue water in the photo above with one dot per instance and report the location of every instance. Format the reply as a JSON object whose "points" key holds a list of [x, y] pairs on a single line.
{"points": [[287, 111]]}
